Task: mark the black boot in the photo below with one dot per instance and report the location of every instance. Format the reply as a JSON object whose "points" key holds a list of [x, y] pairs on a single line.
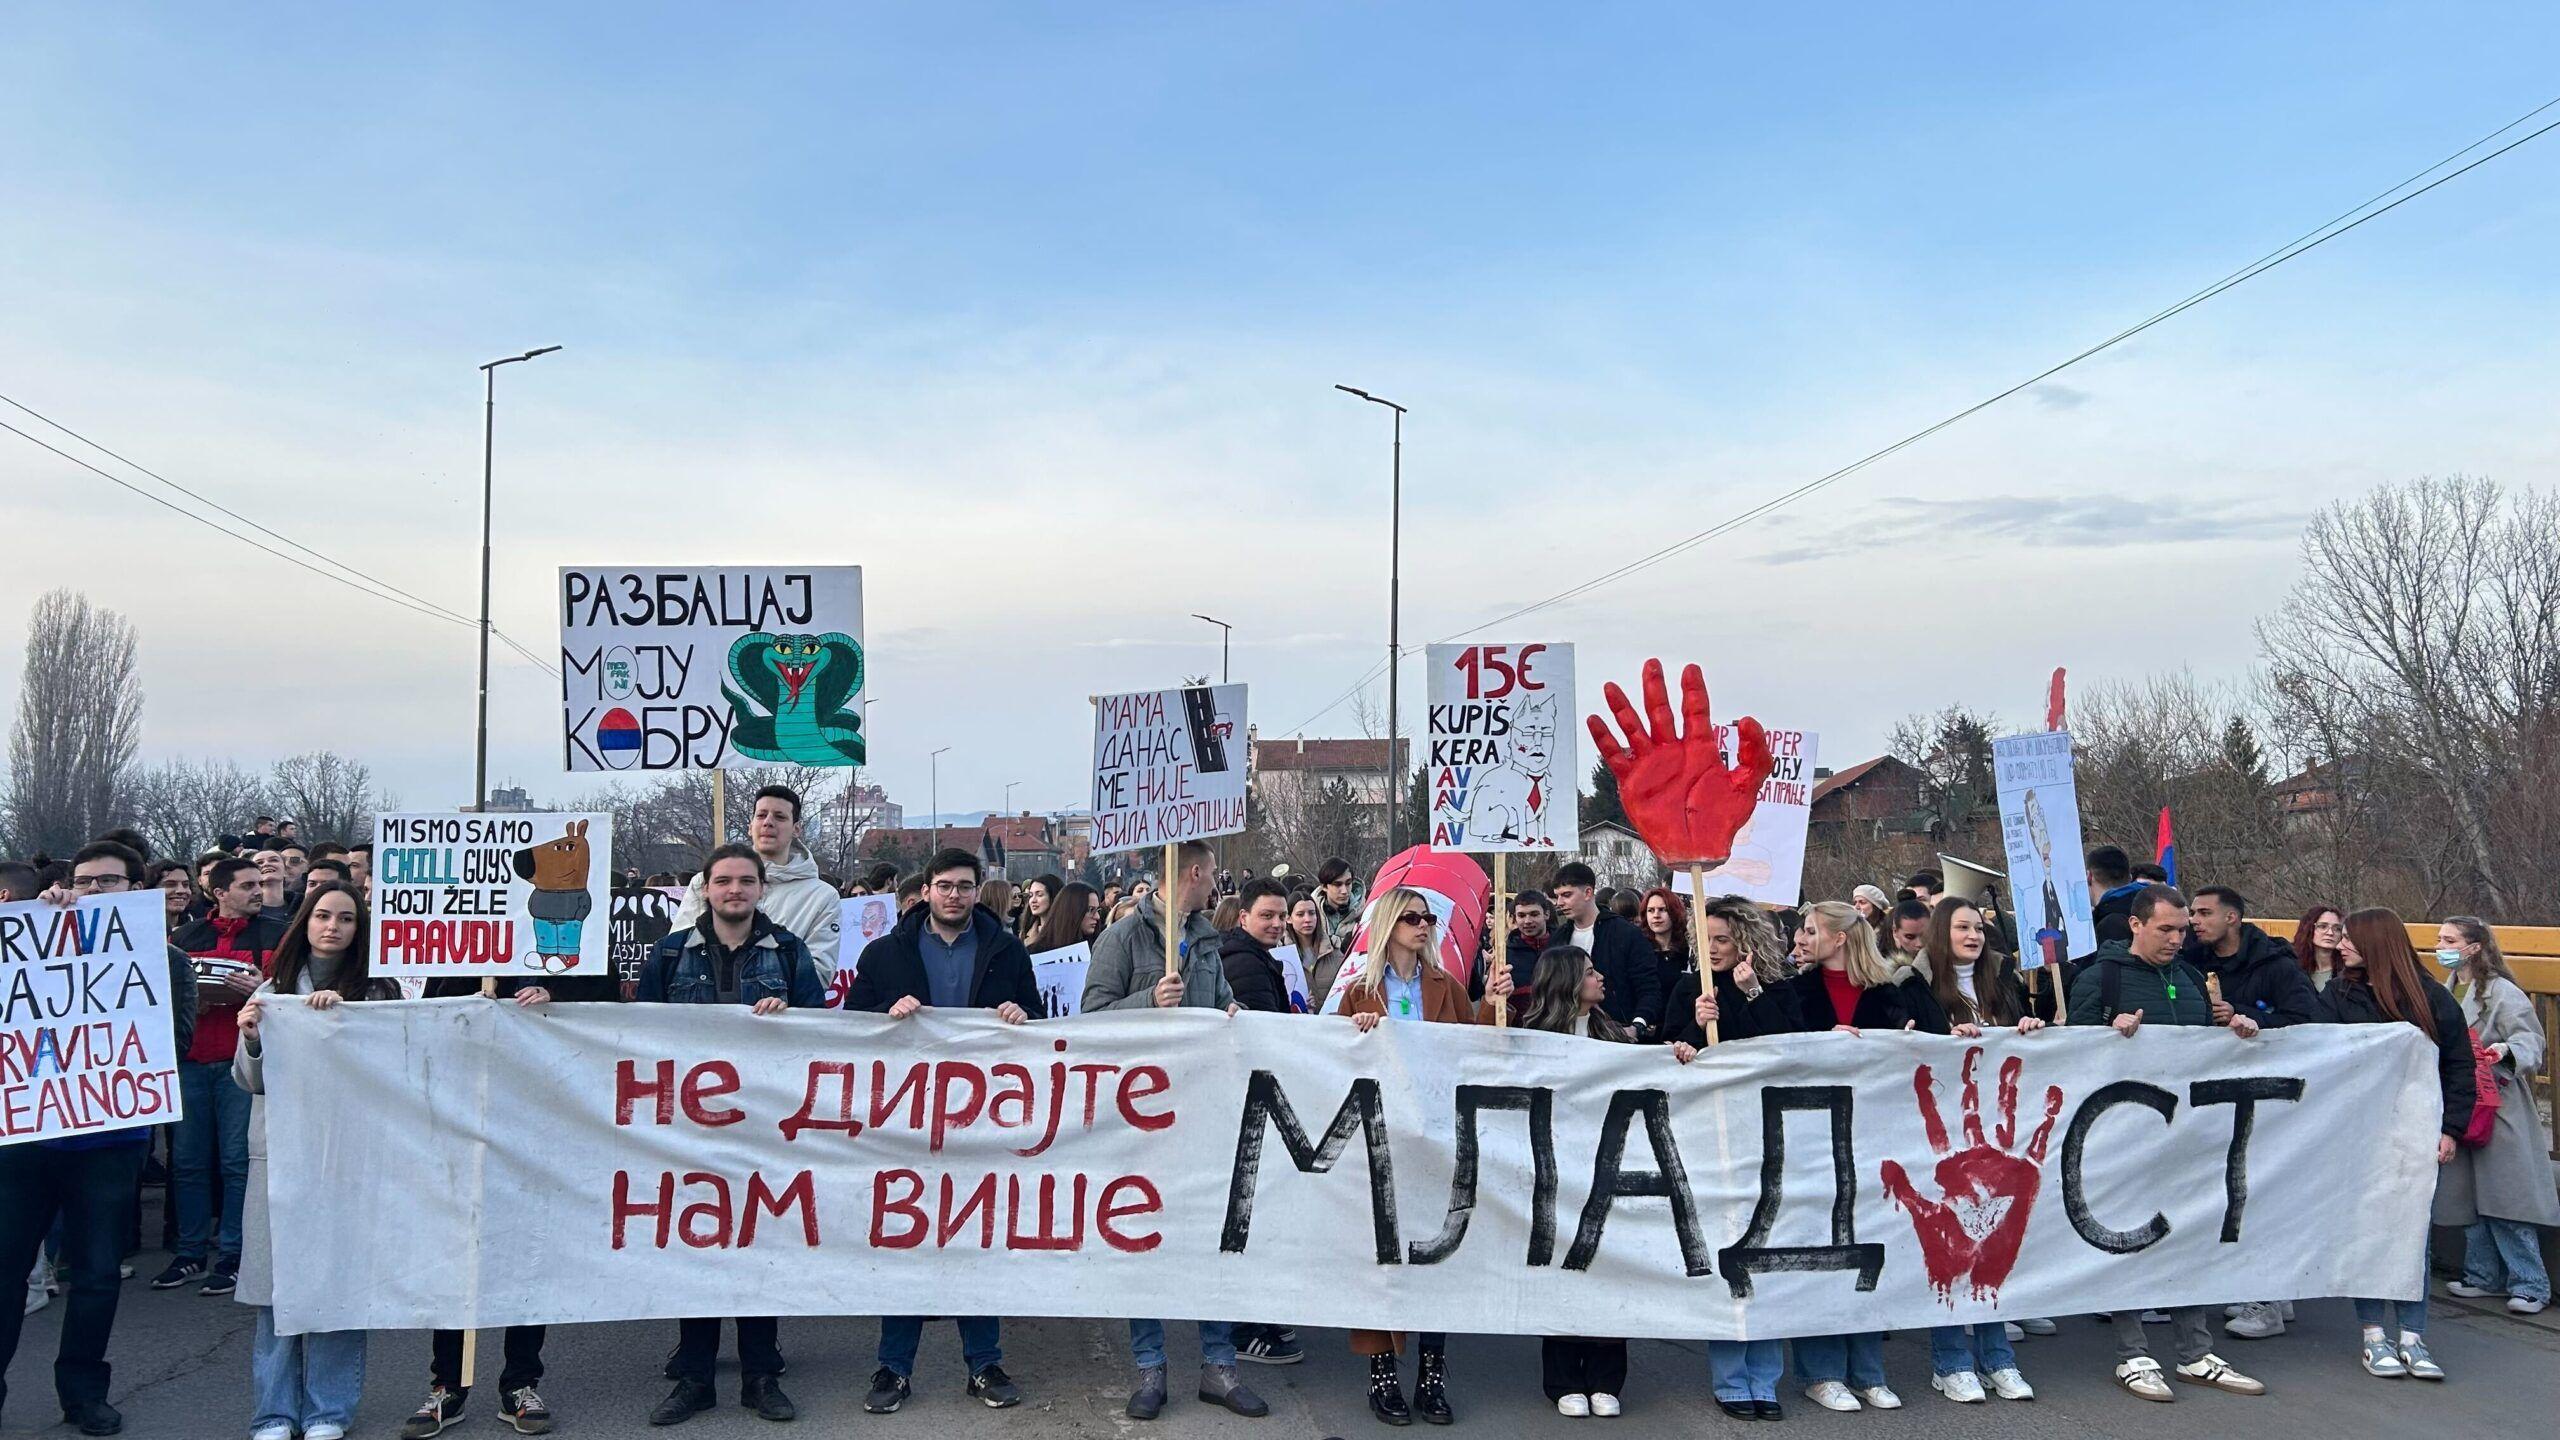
{"points": [[1386, 1391], [763, 1395], [688, 1399], [1431, 1389]]}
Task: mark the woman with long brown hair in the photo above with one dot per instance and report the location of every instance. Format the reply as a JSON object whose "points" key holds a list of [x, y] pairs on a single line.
{"points": [[2501, 1191], [1038, 894], [1583, 1376], [2378, 982], [1401, 979], [2315, 943], [1319, 958], [1664, 918], [1063, 918], [303, 1384]]}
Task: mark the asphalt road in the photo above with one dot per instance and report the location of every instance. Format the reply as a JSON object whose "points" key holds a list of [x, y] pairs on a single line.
{"points": [[182, 1370]]}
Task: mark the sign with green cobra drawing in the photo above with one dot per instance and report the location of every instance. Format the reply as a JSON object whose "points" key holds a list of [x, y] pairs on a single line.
{"points": [[677, 668]]}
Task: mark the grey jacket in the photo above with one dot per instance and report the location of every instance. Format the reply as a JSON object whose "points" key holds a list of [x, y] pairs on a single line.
{"points": [[2510, 1178], [1128, 960]]}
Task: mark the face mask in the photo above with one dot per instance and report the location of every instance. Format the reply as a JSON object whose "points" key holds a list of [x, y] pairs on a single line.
{"points": [[2449, 958]]}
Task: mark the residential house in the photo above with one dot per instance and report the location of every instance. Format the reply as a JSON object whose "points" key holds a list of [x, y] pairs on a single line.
{"points": [[1618, 856]]}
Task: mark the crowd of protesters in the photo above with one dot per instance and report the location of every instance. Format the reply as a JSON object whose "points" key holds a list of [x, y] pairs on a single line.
{"points": [[267, 918]]}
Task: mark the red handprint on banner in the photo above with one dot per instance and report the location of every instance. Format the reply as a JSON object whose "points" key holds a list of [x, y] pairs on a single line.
{"points": [[1683, 798], [1973, 1235]]}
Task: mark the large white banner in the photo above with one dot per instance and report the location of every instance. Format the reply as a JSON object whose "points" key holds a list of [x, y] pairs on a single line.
{"points": [[1168, 765], [469, 894], [716, 668], [87, 1042], [2040, 820], [1768, 851], [702, 1160], [1503, 760]]}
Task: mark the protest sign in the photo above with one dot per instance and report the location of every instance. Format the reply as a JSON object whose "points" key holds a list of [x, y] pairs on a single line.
{"points": [[468, 894], [706, 1161], [676, 668], [1502, 755], [860, 919], [87, 1040], [1060, 974], [1168, 766], [1293, 977], [1768, 851], [641, 918], [2040, 819]]}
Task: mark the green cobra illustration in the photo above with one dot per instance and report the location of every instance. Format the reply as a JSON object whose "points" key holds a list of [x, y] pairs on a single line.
{"points": [[787, 697]]}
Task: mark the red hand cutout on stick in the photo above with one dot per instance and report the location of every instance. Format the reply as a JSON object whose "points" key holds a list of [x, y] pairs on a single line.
{"points": [[1973, 1234], [1683, 798]]}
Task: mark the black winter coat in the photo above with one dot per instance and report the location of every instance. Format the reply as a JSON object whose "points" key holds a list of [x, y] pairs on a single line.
{"points": [[2261, 980], [892, 968], [1880, 1007], [1252, 974], [1624, 959], [1778, 1011], [2350, 1001]]}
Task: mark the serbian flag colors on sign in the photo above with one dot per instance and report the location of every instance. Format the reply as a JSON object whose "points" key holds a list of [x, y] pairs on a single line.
{"points": [[2168, 847]]}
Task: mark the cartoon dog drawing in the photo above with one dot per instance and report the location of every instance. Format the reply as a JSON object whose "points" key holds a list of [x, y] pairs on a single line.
{"points": [[558, 870], [1511, 799]]}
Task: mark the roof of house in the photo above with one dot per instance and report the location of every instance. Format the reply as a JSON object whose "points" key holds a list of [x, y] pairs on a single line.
{"points": [[1302, 754], [1843, 779], [1023, 832], [1627, 831]]}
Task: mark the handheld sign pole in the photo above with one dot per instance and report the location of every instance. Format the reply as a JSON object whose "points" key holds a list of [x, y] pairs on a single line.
{"points": [[1501, 909], [1698, 940], [2213, 988], [719, 808], [1166, 901]]}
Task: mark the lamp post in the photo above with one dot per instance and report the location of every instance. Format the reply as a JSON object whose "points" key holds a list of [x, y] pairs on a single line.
{"points": [[1395, 599], [1226, 632], [488, 471], [1008, 795], [936, 759]]}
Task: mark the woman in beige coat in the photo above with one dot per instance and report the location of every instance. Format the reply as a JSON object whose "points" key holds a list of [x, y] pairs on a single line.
{"points": [[2501, 1191]]}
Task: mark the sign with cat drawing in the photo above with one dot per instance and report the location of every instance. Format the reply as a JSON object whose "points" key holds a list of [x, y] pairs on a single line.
{"points": [[1502, 758]]}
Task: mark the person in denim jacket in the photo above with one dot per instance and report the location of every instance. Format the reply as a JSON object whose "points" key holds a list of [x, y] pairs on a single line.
{"points": [[733, 955]]}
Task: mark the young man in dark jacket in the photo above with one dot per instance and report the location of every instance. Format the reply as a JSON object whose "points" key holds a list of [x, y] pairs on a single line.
{"points": [[733, 955], [952, 954], [230, 949], [1618, 950], [2130, 984], [1254, 975]]}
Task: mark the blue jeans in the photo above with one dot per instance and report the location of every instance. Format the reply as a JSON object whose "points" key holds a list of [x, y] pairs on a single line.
{"points": [[2505, 1256], [1746, 1369], [301, 1380], [2413, 1313], [1857, 1360], [215, 1131], [901, 1334], [1146, 1343], [1980, 1348]]}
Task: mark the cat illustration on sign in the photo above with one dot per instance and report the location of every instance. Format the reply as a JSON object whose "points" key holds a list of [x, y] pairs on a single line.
{"points": [[559, 870], [1513, 800]]}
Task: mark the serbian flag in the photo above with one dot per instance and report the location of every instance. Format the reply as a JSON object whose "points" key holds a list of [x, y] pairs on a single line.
{"points": [[2167, 859]]}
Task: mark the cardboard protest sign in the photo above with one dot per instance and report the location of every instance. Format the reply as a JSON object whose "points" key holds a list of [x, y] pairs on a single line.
{"points": [[2040, 820], [1168, 766], [1768, 851], [676, 668], [87, 1040], [700, 1160], [860, 919], [468, 894], [1502, 756], [641, 918], [1060, 973]]}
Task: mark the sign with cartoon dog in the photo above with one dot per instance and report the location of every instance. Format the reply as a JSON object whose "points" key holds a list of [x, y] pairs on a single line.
{"points": [[711, 668], [1502, 761], [474, 894]]}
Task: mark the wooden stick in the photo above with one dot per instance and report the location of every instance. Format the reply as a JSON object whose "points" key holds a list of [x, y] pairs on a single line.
{"points": [[1698, 943], [1167, 900], [1501, 937]]}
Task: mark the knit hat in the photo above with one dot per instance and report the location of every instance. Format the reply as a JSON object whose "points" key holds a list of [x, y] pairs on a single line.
{"points": [[1873, 895]]}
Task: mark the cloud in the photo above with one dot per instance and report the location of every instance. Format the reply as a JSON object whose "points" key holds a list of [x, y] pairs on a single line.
{"points": [[2054, 396], [2045, 522]]}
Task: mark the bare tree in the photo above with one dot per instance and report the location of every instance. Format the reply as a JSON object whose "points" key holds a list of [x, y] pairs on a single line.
{"points": [[329, 795], [2424, 640], [79, 723], [181, 806]]}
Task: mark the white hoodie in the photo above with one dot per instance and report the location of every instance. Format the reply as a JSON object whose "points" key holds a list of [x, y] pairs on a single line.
{"points": [[795, 899]]}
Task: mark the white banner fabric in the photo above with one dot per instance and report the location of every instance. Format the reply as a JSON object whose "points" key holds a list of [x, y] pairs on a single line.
{"points": [[667, 1161]]}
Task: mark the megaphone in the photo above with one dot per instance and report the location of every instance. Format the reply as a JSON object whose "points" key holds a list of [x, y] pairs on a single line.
{"points": [[1966, 880]]}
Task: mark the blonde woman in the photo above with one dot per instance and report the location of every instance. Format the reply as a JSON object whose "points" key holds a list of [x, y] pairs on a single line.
{"points": [[1400, 979], [2502, 1190]]}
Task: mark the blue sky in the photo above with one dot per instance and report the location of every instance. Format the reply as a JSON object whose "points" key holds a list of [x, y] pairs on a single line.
{"points": [[1034, 312]]}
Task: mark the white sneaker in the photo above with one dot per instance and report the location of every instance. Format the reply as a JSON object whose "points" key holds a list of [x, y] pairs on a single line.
{"points": [[2142, 1376], [2212, 1370], [1574, 1407], [2155, 1317], [2469, 1291], [1963, 1387], [2015, 1331], [38, 1297], [2010, 1385], [1604, 1405], [1832, 1395], [2234, 1312], [2259, 1320], [272, 1432], [2040, 1328], [2526, 1305], [1880, 1397], [325, 1430]]}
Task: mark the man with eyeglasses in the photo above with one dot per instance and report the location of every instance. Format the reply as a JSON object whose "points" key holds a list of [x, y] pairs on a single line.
{"points": [[91, 1182], [953, 954], [230, 949]]}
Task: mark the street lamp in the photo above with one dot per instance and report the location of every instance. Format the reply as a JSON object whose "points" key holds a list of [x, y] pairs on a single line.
{"points": [[1395, 598], [1008, 795], [488, 456], [1226, 632], [936, 759]]}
